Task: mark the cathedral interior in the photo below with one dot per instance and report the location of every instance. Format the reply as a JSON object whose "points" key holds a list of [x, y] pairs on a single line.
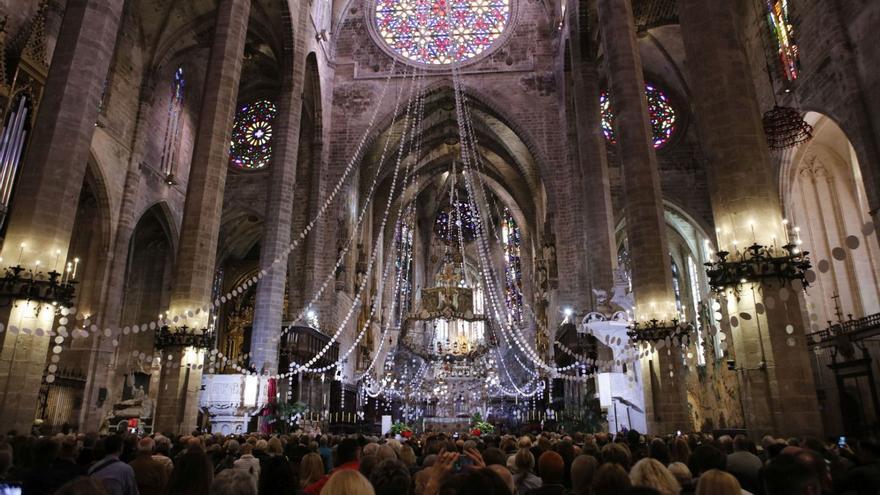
{"points": [[332, 215]]}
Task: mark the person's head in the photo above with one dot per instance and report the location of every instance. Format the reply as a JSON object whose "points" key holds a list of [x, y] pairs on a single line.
{"points": [[659, 450], [817, 464], [551, 467], [583, 469], [680, 451], [717, 482], [740, 443], [391, 477], [262, 446], [652, 474], [611, 479], [232, 447], [706, 457], [385, 452], [681, 472], [347, 482], [145, 446], [786, 475], [193, 474], [83, 485], [367, 464], [112, 445], [524, 462], [494, 455], [474, 482], [311, 469], [725, 443], [348, 450], [275, 447], [505, 475], [163, 445], [277, 476], [370, 449], [617, 453], [408, 456], [234, 482]]}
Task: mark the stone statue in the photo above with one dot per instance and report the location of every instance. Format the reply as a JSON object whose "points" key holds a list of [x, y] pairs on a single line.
{"points": [[139, 406]]}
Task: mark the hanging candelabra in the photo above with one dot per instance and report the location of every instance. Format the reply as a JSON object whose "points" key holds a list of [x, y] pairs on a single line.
{"points": [[33, 285], [655, 330], [758, 263], [184, 337]]}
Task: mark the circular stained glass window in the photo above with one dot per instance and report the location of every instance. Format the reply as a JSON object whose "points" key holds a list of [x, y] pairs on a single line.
{"points": [[663, 117], [251, 146], [438, 32]]}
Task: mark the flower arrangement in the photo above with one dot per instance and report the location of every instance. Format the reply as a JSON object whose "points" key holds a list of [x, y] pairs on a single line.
{"points": [[480, 427], [401, 429]]}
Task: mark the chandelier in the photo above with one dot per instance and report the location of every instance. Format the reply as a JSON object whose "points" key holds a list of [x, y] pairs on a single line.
{"points": [[32, 284], [184, 337], [785, 128], [673, 332], [758, 263]]}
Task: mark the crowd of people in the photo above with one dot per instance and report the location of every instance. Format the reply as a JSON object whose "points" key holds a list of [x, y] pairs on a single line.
{"points": [[435, 464]]}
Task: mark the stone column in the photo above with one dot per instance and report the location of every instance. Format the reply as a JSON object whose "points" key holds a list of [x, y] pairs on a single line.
{"points": [[101, 369], [593, 159], [49, 188], [279, 206], [666, 403], [195, 265], [779, 395]]}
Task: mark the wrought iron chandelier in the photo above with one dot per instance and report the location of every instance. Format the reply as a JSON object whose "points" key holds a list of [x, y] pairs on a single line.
{"points": [[184, 337], [673, 332], [785, 128], [758, 263], [20, 283]]}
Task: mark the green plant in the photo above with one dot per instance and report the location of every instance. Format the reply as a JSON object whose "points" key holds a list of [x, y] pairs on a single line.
{"points": [[400, 428], [479, 426]]}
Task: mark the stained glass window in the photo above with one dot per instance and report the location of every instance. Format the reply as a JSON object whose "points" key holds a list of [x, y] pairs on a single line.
{"points": [[441, 31], [251, 146], [403, 263], [696, 296], [455, 222], [511, 241], [676, 284], [783, 31], [173, 125], [663, 117]]}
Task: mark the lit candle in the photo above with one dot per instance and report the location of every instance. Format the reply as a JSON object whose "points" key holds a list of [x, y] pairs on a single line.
{"points": [[20, 254], [57, 255], [36, 267], [67, 275], [785, 230], [75, 265], [752, 226]]}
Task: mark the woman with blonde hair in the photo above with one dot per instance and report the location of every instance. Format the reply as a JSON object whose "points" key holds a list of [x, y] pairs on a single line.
{"points": [[408, 456], [651, 473], [311, 469], [348, 482], [525, 479], [716, 482]]}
